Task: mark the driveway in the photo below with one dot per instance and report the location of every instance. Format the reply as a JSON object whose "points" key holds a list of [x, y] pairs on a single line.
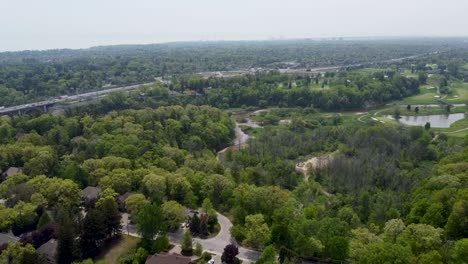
{"points": [[213, 245]]}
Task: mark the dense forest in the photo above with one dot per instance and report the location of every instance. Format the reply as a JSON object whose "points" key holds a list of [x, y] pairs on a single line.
{"points": [[50, 73], [387, 193]]}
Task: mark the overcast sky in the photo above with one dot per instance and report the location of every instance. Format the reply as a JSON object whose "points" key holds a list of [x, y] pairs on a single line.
{"points": [[45, 24]]}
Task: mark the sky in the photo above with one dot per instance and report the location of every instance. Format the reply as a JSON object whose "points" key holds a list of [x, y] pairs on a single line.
{"points": [[49, 24]]}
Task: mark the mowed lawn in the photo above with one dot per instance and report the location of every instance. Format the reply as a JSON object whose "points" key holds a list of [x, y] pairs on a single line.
{"points": [[459, 94], [425, 96], [112, 254]]}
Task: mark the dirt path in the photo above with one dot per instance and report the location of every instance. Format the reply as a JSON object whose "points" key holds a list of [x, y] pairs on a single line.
{"points": [[453, 132], [315, 163]]}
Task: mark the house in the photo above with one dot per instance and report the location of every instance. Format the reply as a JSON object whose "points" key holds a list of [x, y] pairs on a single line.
{"points": [[12, 171], [9, 172], [168, 259], [189, 213], [121, 200], [7, 238], [48, 251], [90, 194]]}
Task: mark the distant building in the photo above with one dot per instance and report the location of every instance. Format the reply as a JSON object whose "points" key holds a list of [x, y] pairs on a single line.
{"points": [[168, 259], [48, 251]]}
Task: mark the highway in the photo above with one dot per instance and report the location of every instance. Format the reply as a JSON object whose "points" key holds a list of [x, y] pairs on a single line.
{"points": [[96, 94], [65, 98]]}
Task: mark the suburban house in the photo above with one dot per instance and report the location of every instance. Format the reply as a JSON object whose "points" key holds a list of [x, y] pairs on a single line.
{"points": [[7, 238], [121, 200], [90, 194], [10, 171], [167, 258], [48, 251]]}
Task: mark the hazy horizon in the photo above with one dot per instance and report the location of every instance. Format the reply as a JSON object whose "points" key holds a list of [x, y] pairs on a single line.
{"points": [[54, 24]]}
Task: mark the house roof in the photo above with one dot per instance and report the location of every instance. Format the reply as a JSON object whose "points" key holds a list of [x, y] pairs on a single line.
{"points": [[121, 198], [189, 213], [168, 259], [90, 192], [49, 248], [13, 170], [7, 238]]}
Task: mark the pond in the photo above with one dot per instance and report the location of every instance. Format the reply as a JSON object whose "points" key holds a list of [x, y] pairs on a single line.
{"points": [[440, 121]]}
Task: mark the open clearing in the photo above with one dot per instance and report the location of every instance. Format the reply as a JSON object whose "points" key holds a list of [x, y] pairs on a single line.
{"points": [[118, 248], [459, 93], [425, 96]]}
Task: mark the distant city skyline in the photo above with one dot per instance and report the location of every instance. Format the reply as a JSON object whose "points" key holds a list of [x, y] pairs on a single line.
{"points": [[51, 24]]}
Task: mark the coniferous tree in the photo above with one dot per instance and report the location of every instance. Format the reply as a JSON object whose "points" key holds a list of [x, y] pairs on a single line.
{"points": [[66, 239], [186, 244], [203, 230], [111, 218], [92, 233], [195, 224]]}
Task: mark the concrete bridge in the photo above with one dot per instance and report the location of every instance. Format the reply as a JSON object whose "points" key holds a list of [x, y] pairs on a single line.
{"points": [[44, 106]]}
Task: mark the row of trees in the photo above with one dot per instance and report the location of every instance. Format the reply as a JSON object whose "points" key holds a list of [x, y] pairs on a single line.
{"points": [[51, 73]]}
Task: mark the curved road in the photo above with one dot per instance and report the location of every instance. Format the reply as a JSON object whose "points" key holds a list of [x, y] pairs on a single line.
{"points": [[213, 245], [217, 243]]}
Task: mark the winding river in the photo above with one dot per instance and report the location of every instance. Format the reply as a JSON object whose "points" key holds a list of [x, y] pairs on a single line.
{"points": [[241, 137], [239, 141]]}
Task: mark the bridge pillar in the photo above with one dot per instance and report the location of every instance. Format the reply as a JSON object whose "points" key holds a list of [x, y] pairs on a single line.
{"points": [[45, 109]]}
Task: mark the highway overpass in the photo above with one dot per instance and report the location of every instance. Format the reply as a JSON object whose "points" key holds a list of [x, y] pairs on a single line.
{"points": [[44, 105]]}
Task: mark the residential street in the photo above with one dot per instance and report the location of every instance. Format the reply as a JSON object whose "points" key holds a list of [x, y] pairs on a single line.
{"points": [[213, 245]]}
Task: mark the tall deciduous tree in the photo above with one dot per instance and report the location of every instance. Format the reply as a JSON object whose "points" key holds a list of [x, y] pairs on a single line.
{"points": [[149, 222], [173, 213], [229, 254], [257, 231]]}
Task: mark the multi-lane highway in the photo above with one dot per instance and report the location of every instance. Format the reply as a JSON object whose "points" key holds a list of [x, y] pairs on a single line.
{"points": [[69, 98], [100, 93]]}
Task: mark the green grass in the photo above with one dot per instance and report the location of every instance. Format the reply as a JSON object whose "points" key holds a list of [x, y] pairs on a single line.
{"points": [[425, 96], [433, 66], [117, 249], [369, 70], [459, 125], [423, 111], [459, 93]]}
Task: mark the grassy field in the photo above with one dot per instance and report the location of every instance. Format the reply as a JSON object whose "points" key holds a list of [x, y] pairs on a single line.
{"points": [[117, 249], [425, 96], [408, 74], [459, 93], [423, 110], [454, 129], [457, 129], [370, 70]]}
